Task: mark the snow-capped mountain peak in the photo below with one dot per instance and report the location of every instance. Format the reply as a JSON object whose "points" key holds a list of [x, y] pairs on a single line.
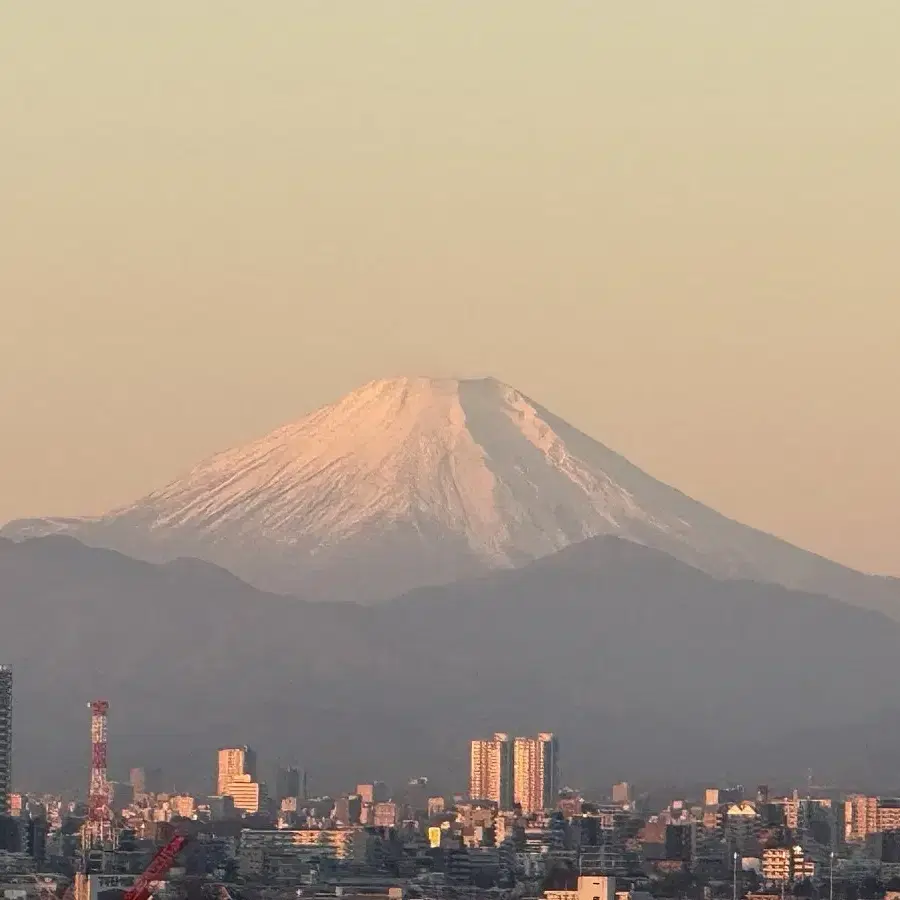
{"points": [[413, 480], [474, 458]]}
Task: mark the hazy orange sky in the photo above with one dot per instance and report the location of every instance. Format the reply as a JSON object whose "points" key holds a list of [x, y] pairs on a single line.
{"points": [[675, 224]]}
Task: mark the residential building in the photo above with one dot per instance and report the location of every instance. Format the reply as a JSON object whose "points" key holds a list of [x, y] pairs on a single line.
{"points": [[791, 808], [491, 771], [814, 818], [776, 864], [621, 794], [536, 772], [888, 816], [281, 861], [785, 864], [6, 685], [804, 865], [232, 762], [740, 826], [570, 804], [306, 842], [182, 805], [860, 816], [385, 815], [865, 816]]}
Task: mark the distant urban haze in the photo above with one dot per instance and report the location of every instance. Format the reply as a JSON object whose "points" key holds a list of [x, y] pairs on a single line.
{"points": [[672, 224]]}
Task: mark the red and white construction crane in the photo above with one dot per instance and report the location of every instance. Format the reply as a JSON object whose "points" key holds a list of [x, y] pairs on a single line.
{"points": [[159, 865]]}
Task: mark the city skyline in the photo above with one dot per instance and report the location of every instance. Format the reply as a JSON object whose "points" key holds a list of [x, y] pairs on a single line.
{"points": [[615, 844], [491, 770]]}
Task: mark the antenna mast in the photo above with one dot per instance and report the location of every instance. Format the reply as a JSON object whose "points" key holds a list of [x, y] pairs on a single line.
{"points": [[99, 824]]}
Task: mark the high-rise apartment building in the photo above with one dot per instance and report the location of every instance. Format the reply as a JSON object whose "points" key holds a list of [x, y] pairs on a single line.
{"points": [[523, 771], [865, 816], [5, 738], [491, 771], [234, 762], [536, 772]]}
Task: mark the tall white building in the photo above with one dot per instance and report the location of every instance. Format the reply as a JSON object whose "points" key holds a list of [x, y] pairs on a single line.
{"points": [[236, 777], [536, 772], [491, 771], [523, 771]]}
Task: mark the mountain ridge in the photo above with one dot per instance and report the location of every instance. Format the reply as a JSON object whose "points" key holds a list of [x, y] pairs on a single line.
{"points": [[413, 481], [640, 662]]}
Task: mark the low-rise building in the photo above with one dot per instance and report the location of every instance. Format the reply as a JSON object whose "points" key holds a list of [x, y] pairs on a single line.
{"points": [[860, 817], [777, 865], [244, 792], [285, 852], [385, 815], [887, 817], [786, 864], [590, 887]]}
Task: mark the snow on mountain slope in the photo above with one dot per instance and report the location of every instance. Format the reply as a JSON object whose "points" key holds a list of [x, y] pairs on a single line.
{"points": [[411, 481], [390, 452], [472, 460]]}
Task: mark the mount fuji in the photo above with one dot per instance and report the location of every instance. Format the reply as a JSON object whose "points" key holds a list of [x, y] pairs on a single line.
{"points": [[409, 482]]}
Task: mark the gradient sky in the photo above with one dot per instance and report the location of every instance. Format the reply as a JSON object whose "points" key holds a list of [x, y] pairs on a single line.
{"points": [[675, 224]]}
